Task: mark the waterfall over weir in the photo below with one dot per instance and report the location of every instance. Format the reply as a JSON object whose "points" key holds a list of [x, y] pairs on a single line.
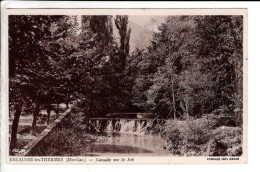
{"points": [[122, 125]]}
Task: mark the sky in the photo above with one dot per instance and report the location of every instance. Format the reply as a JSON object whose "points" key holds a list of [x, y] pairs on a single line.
{"points": [[149, 22]]}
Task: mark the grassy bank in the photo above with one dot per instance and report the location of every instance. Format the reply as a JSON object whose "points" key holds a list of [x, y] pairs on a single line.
{"points": [[67, 139], [202, 137]]}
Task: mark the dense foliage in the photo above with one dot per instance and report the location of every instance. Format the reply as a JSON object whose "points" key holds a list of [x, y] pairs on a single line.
{"points": [[193, 67]]}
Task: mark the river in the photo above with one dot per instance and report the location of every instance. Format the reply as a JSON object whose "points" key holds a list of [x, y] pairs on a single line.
{"points": [[125, 144]]}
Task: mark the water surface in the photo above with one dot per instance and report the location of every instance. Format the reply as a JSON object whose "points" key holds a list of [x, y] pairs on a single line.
{"points": [[118, 143]]}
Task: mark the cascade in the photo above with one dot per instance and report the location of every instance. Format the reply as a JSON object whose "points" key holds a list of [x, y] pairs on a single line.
{"points": [[120, 125]]}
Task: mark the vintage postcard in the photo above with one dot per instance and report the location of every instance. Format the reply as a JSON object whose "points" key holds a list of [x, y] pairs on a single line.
{"points": [[124, 86]]}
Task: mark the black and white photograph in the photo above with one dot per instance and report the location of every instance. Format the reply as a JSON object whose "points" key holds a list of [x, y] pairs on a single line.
{"points": [[126, 85]]}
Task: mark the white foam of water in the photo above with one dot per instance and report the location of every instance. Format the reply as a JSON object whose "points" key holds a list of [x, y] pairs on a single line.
{"points": [[122, 125]]}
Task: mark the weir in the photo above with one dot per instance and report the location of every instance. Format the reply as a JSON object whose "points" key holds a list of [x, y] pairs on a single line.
{"points": [[136, 125]]}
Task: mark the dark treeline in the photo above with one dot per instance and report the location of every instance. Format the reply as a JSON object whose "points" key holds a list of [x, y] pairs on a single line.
{"points": [[53, 61], [192, 67]]}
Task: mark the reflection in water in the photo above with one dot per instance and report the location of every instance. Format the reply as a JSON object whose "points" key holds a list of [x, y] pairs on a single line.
{"points": [[125, 144], [108, 148]]}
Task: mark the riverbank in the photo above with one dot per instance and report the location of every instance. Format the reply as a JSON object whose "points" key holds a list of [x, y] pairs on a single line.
{"points": [[72, 138], [25, 140], [201, 137]]}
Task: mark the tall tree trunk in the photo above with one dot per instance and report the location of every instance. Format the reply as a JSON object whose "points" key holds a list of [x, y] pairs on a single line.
{"points": [[15, 128], [86, 113], [57, 110], [86, 117], [48, 114], [173, 98], [187, 109], [172, 82], [67, 105], [35, 115]]}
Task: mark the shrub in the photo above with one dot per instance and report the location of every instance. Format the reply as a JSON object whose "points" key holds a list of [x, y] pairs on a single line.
{"points": [[226, 141], [66, 140], [159, 129], [174, 139], [201, 137], [235, 151], [196, 131], [185, 138]]}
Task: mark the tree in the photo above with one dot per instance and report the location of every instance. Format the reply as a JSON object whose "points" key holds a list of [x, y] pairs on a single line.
{"points": [[163, 65], [15, 128], [94, 65], [31, 67], [121, 23], [220, 48]]}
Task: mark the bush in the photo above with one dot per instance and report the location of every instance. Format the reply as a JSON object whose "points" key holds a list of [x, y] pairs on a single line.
{"points": [[226, 141], [196, 134], [66, 140], [62, 142], [200, 137], [159, 129], [196, 131], [173, 137], [184, 137]]}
